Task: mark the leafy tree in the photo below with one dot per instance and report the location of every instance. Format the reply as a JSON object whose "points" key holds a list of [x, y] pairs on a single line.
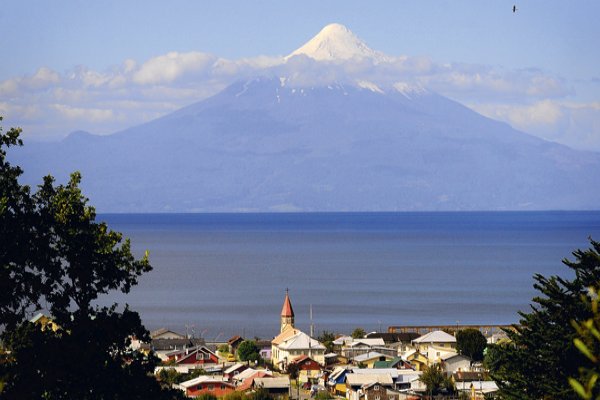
{"points": [[20, 280], [435, 380], [327, 339], [169, 376], [293, 370], [223, 348], [248, 351], [588, 343], [54, 252], [358, 333], [541, 355], [471, 343]]}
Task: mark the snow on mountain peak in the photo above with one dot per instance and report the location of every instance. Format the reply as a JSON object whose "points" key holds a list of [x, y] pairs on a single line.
{"points": [[336, 42]]}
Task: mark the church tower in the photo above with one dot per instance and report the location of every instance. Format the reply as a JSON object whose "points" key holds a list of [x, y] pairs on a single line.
{"points": [[287, 313]]}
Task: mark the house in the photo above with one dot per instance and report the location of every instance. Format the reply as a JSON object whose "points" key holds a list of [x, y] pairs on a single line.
{"points": [[336, 382], [341, 342], [478, 390], [333, 358], [247, 382], [199, 355], [44, 322], [161, 347], [214, 385], [468, 376], [308, 369], [405, 378], [396, 362], [361, 346], [234, 370], [370, 358], [435, 345], [456, 362], [292, 342], [377, 391], [355, 383], [233, 343], [417, 360], [400, 378], [400, 341], [164, 333], [278, 387], [264, 349]]}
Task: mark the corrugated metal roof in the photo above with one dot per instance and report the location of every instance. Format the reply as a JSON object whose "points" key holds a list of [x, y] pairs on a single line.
{"points": [[273, 383], [204, 379], [363, 379], [300, 341], [435, 337]]}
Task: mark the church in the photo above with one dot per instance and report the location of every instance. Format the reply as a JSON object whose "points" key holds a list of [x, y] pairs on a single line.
{"points": [[292, 343]]}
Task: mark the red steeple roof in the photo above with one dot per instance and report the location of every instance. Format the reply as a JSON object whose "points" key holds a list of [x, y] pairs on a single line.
{"points": [[287, 310]]}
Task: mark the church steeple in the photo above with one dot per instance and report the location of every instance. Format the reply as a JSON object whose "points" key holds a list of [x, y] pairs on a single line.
{"points": [[287, 313]]}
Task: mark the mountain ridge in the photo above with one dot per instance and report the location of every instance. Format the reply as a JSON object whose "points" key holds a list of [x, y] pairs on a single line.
{"points": [[279, 142], [263, 146]]}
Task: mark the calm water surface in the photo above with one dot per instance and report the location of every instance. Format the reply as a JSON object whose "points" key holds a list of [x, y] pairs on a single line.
{"points": [[226, 274]]}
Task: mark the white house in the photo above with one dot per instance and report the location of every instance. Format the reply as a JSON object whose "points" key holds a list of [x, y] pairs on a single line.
{"points": [[435, 345]]}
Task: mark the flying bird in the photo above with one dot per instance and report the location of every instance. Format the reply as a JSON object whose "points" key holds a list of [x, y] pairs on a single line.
{"points": [[514, 8]]}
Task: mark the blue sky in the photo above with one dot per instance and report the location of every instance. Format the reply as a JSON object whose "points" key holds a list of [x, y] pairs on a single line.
{"points": [[50, 48]]}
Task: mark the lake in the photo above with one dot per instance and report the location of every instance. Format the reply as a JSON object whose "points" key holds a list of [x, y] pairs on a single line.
{"points": [[226, 274]]}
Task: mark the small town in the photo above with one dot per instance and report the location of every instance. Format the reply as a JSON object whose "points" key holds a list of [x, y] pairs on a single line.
{"points": [[294, 365]]}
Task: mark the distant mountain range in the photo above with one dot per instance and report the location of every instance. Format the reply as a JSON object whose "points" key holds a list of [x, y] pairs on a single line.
{"points": [[274, 144]]}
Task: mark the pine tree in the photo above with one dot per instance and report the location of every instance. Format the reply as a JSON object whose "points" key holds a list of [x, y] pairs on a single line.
{"points": [[541, 355]]}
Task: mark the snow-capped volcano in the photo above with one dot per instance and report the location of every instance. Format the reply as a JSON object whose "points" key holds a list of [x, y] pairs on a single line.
{"points": [[336, 42]]}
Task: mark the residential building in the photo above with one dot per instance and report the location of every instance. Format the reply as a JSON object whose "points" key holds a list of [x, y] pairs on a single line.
{"points": [[435, 345], [456, 363], [214, 385], [278, 387], [356, 382], [308, 369], [164, 333], [195, 355]]}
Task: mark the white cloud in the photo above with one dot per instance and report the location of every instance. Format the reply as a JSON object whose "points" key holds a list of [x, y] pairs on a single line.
{"points": [[573, 124], [169, 67], [84, 114], [54, 104]]}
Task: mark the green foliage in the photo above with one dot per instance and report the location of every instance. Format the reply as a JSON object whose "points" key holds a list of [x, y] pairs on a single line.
{"points": [[436, 380], [223, 348], [471, 343], [234, 396], [293, 370], [169, 376], [259, 394], [20, 278], [358, 333], [542, 354], [53, 252], [248, 351], [192, 373], [323, 395], [206, 396], [327, 339], [588, 343]]}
